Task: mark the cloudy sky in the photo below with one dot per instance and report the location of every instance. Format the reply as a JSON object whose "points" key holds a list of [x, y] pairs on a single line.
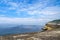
{"points": [[29, 11]]}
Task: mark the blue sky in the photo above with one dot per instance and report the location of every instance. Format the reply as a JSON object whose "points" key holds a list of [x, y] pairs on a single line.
{"points": [[29, 11]]}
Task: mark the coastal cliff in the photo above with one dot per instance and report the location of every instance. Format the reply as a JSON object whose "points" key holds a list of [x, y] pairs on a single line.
{"points": [[51, 31]]}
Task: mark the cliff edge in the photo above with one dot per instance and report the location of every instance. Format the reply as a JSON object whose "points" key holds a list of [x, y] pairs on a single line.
{"points": [[51, 31]]}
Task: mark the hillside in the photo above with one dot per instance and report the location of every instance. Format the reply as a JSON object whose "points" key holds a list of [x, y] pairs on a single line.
{"points": [[51, 34], [56, 21]]}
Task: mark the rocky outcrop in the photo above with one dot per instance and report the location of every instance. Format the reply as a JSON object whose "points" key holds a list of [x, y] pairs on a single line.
{"points": [[55, 24], [52, 32]]}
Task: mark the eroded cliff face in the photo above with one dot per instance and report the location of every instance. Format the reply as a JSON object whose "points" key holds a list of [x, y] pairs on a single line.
{"points": [[52, 31], [55, 24]]}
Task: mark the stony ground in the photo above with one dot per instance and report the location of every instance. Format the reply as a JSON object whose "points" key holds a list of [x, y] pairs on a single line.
{"points": [[49, 35]]}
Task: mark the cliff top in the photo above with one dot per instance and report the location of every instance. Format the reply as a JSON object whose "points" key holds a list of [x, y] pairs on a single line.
{"points": [[56, 21]]}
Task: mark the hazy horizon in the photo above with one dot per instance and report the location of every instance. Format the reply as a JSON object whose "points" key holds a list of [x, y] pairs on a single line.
{"points": [[29, 12]]}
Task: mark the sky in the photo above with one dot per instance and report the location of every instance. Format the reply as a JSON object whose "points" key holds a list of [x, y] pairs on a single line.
{"points": [[29, 12]]}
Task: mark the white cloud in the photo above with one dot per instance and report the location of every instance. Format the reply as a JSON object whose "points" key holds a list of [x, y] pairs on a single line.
{"points": [[25, 21], [2, 15], [13, 5], [20, 6], [32, 10], [40, 9], [51, 10], [47, 13]]}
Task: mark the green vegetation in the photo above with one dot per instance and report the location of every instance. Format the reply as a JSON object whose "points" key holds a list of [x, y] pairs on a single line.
{"points": [[56, 21]]}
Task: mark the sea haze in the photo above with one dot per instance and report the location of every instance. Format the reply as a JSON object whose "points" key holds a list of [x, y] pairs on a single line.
{"points": [[20, 29]]}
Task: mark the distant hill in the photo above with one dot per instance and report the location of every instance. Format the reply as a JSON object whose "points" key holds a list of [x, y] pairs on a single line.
{"points": [[20, 29]]}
